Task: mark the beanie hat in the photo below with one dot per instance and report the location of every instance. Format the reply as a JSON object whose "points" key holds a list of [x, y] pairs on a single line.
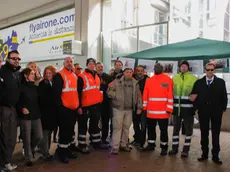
{"points": [[90, 60], [184, 63]]}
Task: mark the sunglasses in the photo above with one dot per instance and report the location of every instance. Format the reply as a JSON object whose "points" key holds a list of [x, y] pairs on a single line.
{"points": [[79, 68], [210, 70], [15, 58]]}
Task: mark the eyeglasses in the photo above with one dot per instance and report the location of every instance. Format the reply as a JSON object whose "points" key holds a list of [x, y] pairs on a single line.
{"points": [[210, 70], [15, 58]]}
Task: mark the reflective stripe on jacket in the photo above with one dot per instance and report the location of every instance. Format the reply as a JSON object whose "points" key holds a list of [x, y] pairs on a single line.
{"points": [[158, 97], [69, 95], [182, 87], [91, 93]]}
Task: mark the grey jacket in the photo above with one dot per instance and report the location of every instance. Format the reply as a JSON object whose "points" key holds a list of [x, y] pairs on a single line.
{"points": [[117, 94]]}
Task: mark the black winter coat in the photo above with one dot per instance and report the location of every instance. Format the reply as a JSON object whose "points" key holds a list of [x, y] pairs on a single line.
{"points": [[214, 97], [141, 82], [10, 82], [29, 99], [47, 105]]}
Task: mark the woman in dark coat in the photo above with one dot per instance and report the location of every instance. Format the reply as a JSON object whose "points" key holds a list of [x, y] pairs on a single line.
{"points": [[48, 111], [29, 114]]}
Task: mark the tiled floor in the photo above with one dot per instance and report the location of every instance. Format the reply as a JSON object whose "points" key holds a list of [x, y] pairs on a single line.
{"points": [[134, 161]]}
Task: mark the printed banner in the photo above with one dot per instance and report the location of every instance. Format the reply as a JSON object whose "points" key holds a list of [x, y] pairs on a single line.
{"points": [[39, 39]]}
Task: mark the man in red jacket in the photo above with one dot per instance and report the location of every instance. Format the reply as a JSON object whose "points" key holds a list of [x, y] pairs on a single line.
{"points": [[158, 102]]}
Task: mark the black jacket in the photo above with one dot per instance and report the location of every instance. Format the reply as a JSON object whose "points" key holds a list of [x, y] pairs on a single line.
{"points": [[214, 98], [10, 82], [115, 74], [47, 105], [105, 80], [141, 82], [29, 99]]}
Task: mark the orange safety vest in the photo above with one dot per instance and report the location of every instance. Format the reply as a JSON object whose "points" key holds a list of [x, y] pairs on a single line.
{"points": [[158, 97], [69, 94], [91, 93]]}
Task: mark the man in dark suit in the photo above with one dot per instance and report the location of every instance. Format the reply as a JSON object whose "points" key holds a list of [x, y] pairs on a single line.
{"points": [[210, 97]]}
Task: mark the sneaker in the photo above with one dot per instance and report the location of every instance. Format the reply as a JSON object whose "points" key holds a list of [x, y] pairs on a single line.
{"points": [[149, 148], [202, 158], [47, 158], [184, 154], [135, 143], [164, 152], [173, 152], [115, 151], [125, 149], [217, 160], [10, 167], [3, 170], [29, 164]]}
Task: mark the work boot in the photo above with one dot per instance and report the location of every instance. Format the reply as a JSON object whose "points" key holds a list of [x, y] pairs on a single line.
{"points": [[164, 152], [62, 154], [84, 150], [71, 155], [173, 152], [73, 148], [149, 147], [184, 154], [104, 144]]}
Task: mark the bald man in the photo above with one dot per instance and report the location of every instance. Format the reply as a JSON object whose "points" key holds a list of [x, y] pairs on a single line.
{"points": [[67, 102]]}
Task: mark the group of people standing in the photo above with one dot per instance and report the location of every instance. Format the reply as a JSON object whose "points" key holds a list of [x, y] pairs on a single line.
{"points": [[62, 98]]}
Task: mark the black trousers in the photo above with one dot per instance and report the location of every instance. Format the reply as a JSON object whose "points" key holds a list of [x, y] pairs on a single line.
{"points": [[66, 121], [163, 125], [216, 119], [105, 117], [139, 126], [188, 121], [92, 114], [8, 133]]}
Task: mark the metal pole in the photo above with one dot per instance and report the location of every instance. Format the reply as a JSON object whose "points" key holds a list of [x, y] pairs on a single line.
{"points": [[138, 38]]}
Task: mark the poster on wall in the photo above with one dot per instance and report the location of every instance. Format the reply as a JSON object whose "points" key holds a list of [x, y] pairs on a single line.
{"points": [[127, 62], [196, 66], [221, 64], [148, 65], [39, 39], [170, 67]]}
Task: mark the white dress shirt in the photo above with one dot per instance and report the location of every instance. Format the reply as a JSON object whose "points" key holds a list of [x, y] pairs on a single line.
{"points": [[207, 79]]}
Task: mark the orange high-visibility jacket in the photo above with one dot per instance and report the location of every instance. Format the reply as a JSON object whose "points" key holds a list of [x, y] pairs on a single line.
{"points": [[91, 93], [69, 95], [158, 97]]}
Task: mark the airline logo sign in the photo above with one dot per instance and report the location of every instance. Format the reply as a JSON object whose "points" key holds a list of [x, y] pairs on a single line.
{"points": [[36, 39]]}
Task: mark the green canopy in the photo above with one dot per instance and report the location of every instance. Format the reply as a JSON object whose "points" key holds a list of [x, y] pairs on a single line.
{"points": [[195, 49]]}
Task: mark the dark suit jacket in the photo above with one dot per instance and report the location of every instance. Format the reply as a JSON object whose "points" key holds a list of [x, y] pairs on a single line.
{"points": [[215, 98]]}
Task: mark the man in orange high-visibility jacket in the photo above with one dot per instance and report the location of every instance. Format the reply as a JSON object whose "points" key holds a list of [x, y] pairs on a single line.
{"points": [[67, 102], [158, 101], [90, 99]]}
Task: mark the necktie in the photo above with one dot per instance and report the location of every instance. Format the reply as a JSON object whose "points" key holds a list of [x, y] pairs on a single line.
{"points": [[209, 83]]}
